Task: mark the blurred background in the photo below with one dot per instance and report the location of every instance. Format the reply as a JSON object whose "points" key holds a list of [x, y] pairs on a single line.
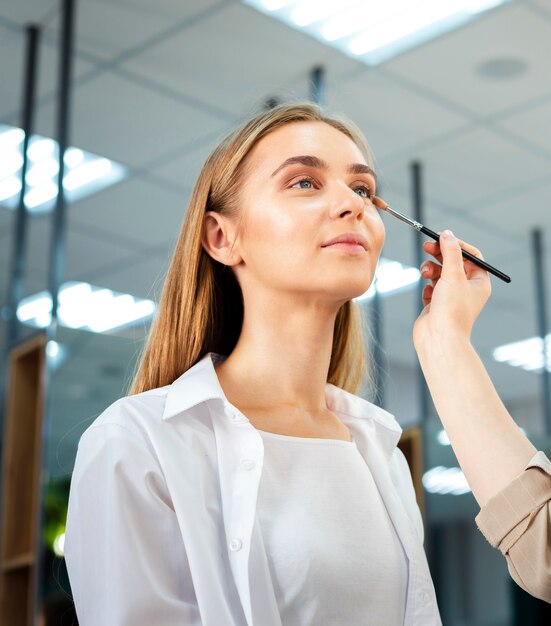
{"points": [[455, 101]]}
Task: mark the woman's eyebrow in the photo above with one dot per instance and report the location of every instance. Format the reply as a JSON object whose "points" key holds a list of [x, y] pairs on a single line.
{"points": [[314, 161], [361, 168], [308, 160]]}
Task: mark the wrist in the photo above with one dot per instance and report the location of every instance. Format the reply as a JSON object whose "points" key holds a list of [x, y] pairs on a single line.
{"points": [[445, 345]]}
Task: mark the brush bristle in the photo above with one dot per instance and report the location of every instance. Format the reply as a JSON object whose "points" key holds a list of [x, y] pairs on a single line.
{"points": [[379, 203]]}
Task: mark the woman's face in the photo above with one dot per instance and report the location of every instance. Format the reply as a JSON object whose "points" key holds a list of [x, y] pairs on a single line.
{"points": [[305, 184]]}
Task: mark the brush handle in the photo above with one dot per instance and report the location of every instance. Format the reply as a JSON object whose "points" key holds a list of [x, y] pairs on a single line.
{"points": [[471, 257]]}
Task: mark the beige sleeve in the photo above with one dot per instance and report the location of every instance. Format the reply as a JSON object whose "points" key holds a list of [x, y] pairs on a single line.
{"points": [[517, 520]]}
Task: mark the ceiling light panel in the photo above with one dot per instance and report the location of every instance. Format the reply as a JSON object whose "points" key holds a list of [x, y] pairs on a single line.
{"points": [[85, 173], [373, 32], [86, 307], [391, 277], [527, 354]]}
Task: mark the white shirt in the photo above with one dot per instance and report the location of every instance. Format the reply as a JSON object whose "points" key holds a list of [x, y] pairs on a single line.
{"points": [[162, 527], [333, 553]]}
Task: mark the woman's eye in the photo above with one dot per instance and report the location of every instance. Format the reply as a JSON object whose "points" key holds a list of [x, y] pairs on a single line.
{"points": [[365, 191], [305, 183]]}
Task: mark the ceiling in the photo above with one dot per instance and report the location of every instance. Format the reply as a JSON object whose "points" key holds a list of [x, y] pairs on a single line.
{"points": [[157, 85]]}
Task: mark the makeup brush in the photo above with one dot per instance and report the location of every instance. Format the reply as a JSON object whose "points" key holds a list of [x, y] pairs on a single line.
{"points": [[381, 204]]}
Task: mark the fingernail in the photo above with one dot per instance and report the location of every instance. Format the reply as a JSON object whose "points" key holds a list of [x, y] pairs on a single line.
{"points": [[448, 234], [424, 270]]}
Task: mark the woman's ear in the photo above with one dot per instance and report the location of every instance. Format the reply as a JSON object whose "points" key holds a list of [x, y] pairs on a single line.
{"points": [[218, 237]]}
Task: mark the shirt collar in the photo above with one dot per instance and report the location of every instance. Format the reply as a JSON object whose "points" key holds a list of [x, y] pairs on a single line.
{"points": [[200, 383]]}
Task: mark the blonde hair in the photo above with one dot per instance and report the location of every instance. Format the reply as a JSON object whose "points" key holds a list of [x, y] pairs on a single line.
{"points": [[201, 305]]}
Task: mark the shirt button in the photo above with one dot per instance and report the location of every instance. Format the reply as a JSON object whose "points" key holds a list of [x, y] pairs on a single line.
{"points": [[426, 597], [235, 544], [247, 464]]}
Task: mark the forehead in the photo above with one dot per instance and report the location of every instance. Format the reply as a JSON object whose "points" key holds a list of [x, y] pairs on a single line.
{"points": [[314, 138]]}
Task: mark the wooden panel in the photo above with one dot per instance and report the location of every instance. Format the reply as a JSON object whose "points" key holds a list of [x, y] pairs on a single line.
{"points": [[21, 481]]}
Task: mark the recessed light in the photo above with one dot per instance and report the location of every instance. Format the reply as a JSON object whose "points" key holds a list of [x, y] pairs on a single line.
{"points": [[502, 68]]}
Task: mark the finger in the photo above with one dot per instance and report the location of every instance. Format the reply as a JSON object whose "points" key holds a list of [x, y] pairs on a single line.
{"points": [[472, 269], [433, 248], [474, 251], [452, 264], [431, 270], [426, 296]]}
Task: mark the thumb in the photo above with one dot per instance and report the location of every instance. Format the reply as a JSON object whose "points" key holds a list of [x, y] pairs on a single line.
{"points": [[452, 259]]}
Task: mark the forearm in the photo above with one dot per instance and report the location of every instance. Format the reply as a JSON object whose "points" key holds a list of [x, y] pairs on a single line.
{"points": [[488, 444]]}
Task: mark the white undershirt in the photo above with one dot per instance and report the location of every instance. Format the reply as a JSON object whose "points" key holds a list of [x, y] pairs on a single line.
{"points": [[333, 553]]}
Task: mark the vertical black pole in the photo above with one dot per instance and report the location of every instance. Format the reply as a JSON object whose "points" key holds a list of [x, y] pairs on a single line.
{"points": [[539, 275], [432, 535], [17, 282], [57, 259], [16, 288], [271, 103], [317, 86], [417, 188], [57, 246]]}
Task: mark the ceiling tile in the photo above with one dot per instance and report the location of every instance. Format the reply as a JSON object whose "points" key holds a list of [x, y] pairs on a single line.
{"points": [[136, 212], [143, 278], [132, 124], [393, 119], [12, 69], [244, 56], [519, 213], [28, 11], [107, 29], [83, 253], [184, 170], [447, 66], [473, 167], [532, 124]]}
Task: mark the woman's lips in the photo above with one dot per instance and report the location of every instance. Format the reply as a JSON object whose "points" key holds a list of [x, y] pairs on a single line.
{"points": [[351, 248]]}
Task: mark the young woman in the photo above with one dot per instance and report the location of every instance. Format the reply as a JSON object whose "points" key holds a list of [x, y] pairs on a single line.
{"points": [[243, 481]]}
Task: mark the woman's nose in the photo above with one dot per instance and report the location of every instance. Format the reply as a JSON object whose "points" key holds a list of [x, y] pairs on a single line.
{"points": [[346, 200]]}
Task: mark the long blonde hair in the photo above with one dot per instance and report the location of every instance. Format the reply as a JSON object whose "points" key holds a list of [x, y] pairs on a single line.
{"points": [[201, 305]]}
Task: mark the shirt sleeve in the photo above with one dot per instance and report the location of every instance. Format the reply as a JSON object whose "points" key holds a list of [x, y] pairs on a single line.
{"points": [[517, 521], [124, 553]]}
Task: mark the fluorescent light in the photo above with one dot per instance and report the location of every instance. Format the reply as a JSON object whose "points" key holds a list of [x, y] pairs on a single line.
{"points": [[374, 31], [312, 11], [391, 277], [403, 24], [40, 149], [42, 171], [446, 480], [85, 306], [73, 157], [346, 23], [56, 354], [9, 187], [85, 173], [10, 163], [527, 354], [443, 438], [11, 138], [41, 194], [275, 5]]}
